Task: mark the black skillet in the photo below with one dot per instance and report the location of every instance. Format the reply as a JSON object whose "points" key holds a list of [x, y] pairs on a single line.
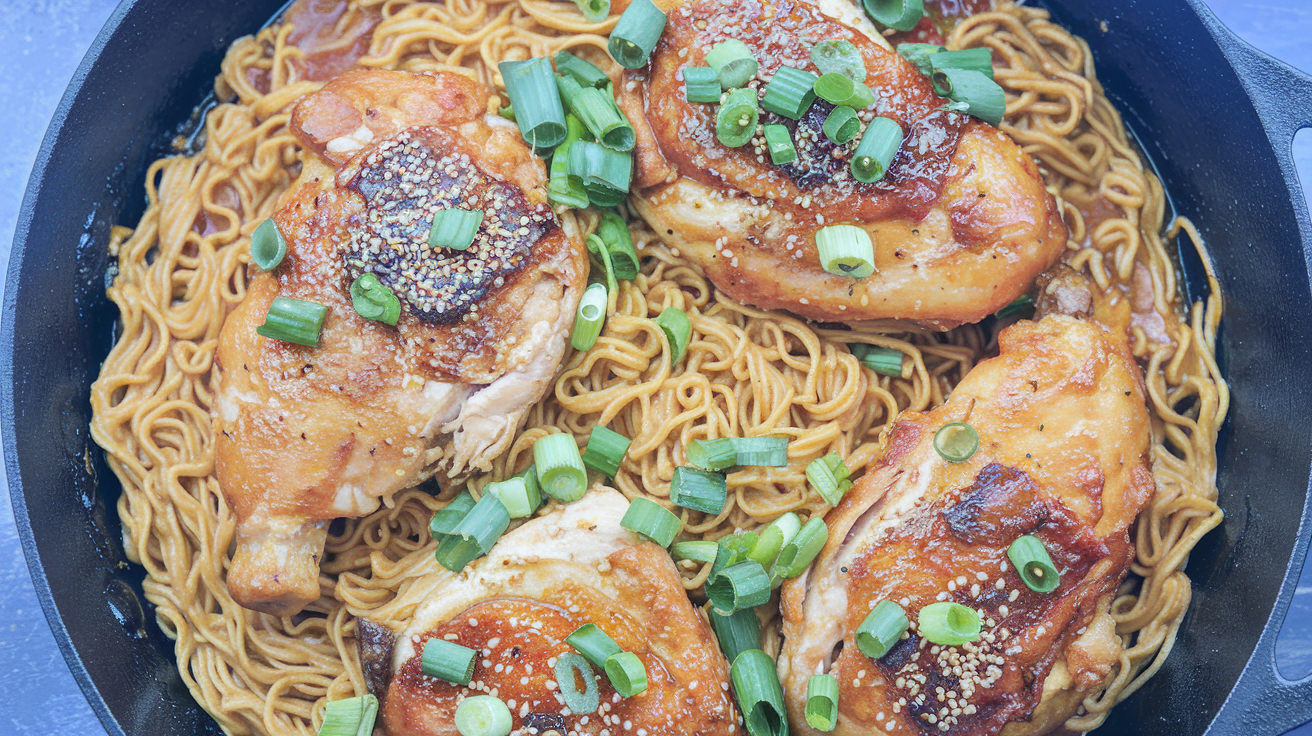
{"points": [[1215, 116]]}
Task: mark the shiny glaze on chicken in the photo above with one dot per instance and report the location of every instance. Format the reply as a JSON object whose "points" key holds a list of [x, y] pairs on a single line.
{"points": [[962, 223], [311, 434], [1063, 455]]}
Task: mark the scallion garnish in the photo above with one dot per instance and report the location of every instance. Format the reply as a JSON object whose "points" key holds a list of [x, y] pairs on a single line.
{"points": [[801, 550], [474, 535], [918, 54], [565, 188], [605, 450], [701, 84], [882, 628], [678, 329], [760, 696], [446, 519], [822, 702], [779, 141], [735, 122], [1022, 304], [1034, 564], [560, 468], [841, 90], [581, 70], [447, 660], [531, 87], [884, 361], [603, 268], [590, 317], [627, 674], [842, 125], [570, 669], [790, 92], [874, 154], [698, 490], [651, 520], [900, 15], [763, 452], [772, 539], [268, 246], [605, 173], [975, 60], [596, 109], [839, 57], [293, 320], [948, 624], [716, 454], [483, 715], [828, 476], [845, 250], [374, 301], [615, 235], [956, 442], [737, 632], [981, 96], [698, 551], [519, 495], [593, 643], [636, 33], [733, 63], [742, 585], [455, 228], [594, 10], [733, 548], [350, 716]]}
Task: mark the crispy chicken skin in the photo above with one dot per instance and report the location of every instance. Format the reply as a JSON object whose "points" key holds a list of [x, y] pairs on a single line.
{"points": [[962, 222], [305, 434], [572, 566], [1063, 455]]}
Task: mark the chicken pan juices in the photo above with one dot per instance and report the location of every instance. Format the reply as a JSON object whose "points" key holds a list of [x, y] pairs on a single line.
{"points": [[651, 367]]}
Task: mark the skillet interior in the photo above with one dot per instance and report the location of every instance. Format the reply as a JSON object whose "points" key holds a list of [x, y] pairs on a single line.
{"points": [[155, 62]]}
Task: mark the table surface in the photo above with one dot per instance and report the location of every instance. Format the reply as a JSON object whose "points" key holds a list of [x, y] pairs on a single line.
{"points": [[41, 45]]}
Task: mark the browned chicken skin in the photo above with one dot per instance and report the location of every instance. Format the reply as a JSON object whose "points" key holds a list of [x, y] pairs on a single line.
{"points": [[1063, 455], [962, 223], [310, 434]]}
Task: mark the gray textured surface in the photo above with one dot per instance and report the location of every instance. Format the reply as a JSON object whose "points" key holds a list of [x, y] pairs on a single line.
{"points": [[41, 44]]}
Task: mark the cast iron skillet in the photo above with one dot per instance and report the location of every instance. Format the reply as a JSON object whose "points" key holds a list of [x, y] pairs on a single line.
{"points": [[1216, 117]]}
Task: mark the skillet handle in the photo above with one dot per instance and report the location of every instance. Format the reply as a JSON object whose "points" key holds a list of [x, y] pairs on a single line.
{"points": [[1281, 93]]}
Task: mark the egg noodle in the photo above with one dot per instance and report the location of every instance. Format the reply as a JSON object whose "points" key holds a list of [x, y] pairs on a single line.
{"points": [[747, 372]]}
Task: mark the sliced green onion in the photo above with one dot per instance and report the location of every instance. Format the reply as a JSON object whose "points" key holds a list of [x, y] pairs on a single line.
{"points": [[560, 468], [605, 450], [733, 548], [293, 320], [874, 154], [881, 630], [780, 142], [839, 57], [975, 60], [594, 10], [900, 15], [593, 643], [596, 109], [801, 550], [590, 318], [735, 122], [698, 490], [580, 70], [374, 301], [744, 585], [842, 90], [615, 235], [947, 623], [507, 112], [603, 268], [772, 539], [918, 54], [846, 250], [1022, 304], [636, 33], [606, 174], [564, 187], [350, 716], [483, 715], [520, 497], [982, 96], [822, 702], [570, 668], [733, 63], [474, 536], [884, 361], [737, 632], [651, 520], [842, 125], [828, 476], [1034, 564], [790, 92], [716, 454], [698, 551], [268, 246], [626, 673], [760, 696], [531, 87], [762, 452], [447, 660], [701, 84], [956, 442], [455, 228], [678, 329], [447, 518]]}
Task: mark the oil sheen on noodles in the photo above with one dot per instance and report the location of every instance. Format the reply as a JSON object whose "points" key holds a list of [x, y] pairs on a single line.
{"points": [[748, 372]]}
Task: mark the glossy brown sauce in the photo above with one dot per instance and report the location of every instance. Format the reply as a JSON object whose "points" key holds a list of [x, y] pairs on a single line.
{"points": [[940, 16]]}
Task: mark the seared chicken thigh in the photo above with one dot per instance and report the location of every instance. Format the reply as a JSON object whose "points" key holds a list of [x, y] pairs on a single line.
{"points": [[1063, 456], [572, 566], [962, 222], [310, 434]]}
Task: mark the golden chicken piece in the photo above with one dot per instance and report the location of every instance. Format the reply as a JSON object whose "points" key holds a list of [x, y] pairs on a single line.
{"points": [[961, 223], [572, 566], [306, 435], [1063, 456]]}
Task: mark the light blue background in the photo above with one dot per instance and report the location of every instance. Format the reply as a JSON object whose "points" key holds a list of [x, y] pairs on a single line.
{"points": [[41, 44]]}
